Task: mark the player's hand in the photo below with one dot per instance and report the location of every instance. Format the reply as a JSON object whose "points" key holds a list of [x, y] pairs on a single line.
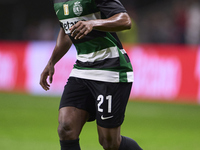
{"points": [[81, 29], [47, 72]]}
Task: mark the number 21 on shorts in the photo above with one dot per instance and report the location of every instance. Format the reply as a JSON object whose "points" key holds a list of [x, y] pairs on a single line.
{"points": [[100, 98]]}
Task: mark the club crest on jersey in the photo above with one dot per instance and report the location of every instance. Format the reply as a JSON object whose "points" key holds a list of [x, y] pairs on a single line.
{"points": [[77, 8]]}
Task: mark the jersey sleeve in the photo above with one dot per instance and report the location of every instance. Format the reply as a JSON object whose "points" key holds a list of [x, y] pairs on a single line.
{"points": [[110, 7]]}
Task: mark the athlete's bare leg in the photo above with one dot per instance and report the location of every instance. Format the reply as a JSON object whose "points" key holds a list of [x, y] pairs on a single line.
{"points": [[109, 138], [71, 121]]}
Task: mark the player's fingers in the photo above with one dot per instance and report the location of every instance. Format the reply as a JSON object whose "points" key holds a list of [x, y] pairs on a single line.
{"points": [[73, 29], [73, 32], [45, 85], [43, 82], [80, 34], [77, 31], [84, 34]]}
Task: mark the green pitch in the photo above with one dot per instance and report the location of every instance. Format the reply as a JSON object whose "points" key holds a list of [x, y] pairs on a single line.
{"points": [[30, 123]]}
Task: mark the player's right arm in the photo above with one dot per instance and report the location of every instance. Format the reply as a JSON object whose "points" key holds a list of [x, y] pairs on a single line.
{"points": [[63, 44]]}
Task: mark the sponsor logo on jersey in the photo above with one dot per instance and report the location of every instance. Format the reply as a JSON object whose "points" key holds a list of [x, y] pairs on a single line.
{"points": [[68, 24], [77, 8], [66, 9]]}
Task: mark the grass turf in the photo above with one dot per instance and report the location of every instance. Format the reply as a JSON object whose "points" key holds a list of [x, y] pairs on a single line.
{"points": [[30, 122]]}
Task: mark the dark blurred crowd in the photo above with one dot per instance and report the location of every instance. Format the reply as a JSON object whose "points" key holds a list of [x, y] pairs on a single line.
{"points": [[176, 21], [167, 21]]}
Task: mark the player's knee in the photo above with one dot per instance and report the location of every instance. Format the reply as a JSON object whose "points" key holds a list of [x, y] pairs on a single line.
{"points": [[65, 131], [109, 144]]}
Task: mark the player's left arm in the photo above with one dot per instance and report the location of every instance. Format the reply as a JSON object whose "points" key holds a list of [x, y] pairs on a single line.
{"points": [[117, 22]]}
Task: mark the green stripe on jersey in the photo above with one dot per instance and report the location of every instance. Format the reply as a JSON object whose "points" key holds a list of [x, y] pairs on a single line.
{"points": [[123, 77], [123, 63], [94, 45]]}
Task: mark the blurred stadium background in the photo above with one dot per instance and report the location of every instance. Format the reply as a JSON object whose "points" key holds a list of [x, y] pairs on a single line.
{"points": [[163, 44]]}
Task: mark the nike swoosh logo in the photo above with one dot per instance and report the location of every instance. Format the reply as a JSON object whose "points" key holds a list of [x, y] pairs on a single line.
{"points": [[104, 118], [57, 11]]}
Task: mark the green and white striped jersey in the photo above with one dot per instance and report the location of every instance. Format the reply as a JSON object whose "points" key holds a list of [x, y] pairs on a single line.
{"points": [[100, 55]]}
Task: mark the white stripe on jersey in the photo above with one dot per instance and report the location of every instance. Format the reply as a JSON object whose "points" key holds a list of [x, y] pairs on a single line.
{"points": [[97, 75], [123, 51], [130, 76], [111, 52]]}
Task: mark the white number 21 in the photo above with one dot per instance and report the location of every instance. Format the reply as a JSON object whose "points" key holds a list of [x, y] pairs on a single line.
{"points": [[100, 98]]}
